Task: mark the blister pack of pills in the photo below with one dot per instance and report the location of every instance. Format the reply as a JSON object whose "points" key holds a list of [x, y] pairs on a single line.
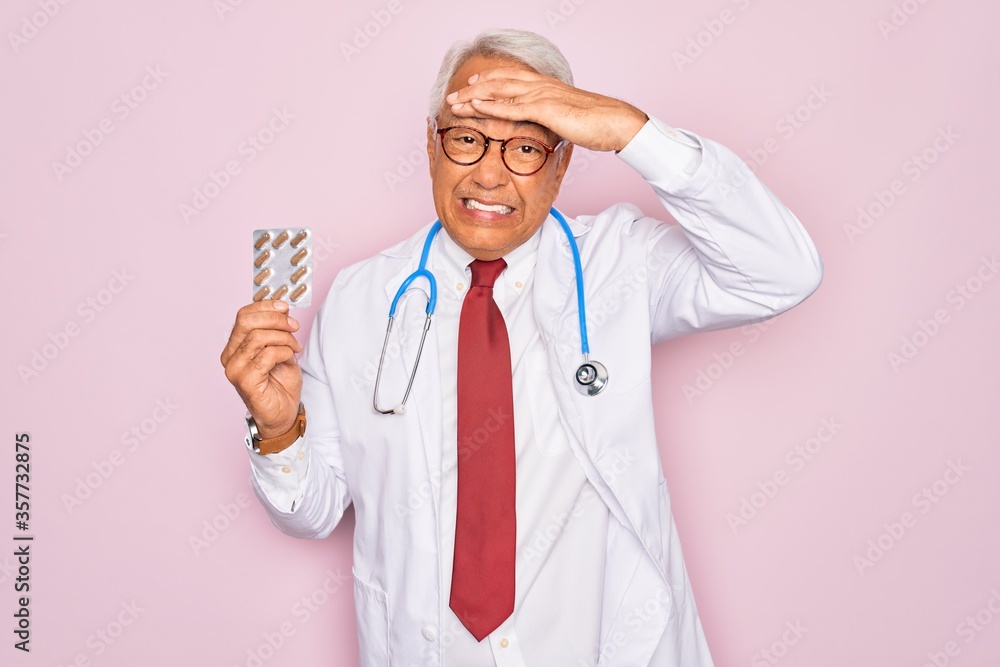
{"points": [[282, 265]]}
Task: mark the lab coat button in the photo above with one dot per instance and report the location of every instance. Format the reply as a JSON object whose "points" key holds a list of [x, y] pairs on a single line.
{"points": [[504, 643], [285, 469], [428, 633]]}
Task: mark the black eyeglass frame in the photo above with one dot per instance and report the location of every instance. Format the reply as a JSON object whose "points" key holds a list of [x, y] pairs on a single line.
{"points": [[549, 150]]}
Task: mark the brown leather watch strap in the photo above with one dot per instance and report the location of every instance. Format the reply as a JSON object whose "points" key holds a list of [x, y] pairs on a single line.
{"points": [[280, 442]]}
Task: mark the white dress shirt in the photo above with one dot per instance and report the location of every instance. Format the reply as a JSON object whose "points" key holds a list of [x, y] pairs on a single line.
{"points": [[561, 521]]}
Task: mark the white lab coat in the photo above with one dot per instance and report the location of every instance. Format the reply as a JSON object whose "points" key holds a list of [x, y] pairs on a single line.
{"points": [[737, 257]]}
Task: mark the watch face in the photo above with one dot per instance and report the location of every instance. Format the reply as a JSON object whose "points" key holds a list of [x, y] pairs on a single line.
{"points": [[251, 435]]}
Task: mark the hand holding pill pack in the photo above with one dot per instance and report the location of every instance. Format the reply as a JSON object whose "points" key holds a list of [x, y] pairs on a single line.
{"points": [[282, 265]]}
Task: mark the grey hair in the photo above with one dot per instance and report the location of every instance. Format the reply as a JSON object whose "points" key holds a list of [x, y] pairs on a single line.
{"points": [[528, 48]]}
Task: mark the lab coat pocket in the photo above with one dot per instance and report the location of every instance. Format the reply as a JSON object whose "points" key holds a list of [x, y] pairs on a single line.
{"points": [[373, 623]]}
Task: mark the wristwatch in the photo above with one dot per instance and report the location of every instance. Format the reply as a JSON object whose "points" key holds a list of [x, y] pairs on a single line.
{"points": [[278, 442]]}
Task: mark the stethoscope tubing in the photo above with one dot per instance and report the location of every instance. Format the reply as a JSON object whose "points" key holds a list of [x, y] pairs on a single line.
{"points": [[591, 377]]}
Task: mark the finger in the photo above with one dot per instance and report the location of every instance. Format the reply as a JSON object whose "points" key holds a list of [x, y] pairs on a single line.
{"points": [[271, 356], [505, 73], [246, 371], [503, 110], [258, 339], [254, 317], [496, 89], [263, 305]]}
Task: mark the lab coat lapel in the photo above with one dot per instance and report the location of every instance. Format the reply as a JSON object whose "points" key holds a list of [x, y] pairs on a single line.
{"points": [[557, 316], [424, 403]]}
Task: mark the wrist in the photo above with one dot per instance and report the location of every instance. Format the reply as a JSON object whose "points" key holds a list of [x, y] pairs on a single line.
{"points": [[269, 443], [268, 432], [632, 124]]}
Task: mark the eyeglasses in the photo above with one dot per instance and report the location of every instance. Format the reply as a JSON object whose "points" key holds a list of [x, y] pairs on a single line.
{"points": [[521, 155]]}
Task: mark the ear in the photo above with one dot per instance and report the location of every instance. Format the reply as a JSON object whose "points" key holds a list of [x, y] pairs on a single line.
{"points": [[563, 165], [554, 179]]}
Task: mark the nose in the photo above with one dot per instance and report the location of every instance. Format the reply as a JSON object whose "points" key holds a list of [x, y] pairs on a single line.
{"points": [[490, 172]]}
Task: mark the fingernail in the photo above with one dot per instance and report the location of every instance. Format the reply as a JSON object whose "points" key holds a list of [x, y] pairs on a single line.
{"points": [[293, 323], [452, 97], [456, 107], [473, 78], [280, 305]]}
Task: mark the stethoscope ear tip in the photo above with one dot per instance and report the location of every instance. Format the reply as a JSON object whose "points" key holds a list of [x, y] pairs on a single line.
{"points": [[399, 409]]}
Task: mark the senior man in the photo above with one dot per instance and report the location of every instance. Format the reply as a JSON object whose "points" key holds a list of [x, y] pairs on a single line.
{"points": [[509, 511]]}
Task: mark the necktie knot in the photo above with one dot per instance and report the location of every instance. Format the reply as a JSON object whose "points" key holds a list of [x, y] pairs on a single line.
{"points": [[484, 274]]}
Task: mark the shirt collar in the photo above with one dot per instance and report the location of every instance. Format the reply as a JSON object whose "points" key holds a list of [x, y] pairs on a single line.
{"points": [[455, 262]]}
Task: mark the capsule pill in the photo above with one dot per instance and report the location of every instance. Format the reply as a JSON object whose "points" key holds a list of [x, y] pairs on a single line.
{"points": [[262, 276], [299, 256], [281, 292], [299, 238], [282, 237], [263, 257], [264, 238], [261, 293], [297, 276], [299, 291]]}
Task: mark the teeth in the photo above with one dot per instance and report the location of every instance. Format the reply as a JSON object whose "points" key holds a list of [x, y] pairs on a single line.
{"points": [[479, 206]]}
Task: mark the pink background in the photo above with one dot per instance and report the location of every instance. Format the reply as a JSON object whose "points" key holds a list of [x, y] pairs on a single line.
{"points": [[899, 426]]}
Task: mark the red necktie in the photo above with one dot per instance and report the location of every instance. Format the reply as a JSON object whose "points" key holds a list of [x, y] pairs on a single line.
{"points": [[482, 580]]}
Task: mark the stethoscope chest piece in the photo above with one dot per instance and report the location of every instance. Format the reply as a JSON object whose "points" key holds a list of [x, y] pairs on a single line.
{"points": [[591, 378]]}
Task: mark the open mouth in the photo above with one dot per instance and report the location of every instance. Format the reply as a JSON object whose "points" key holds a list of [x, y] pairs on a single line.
{"points": [[487, 207]]}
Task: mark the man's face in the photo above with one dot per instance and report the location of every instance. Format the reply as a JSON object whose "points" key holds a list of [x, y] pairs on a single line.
{"points": [[488, 235]]}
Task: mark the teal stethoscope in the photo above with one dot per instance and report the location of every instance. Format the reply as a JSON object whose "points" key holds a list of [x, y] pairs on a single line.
{"points": [[590, 378]]}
